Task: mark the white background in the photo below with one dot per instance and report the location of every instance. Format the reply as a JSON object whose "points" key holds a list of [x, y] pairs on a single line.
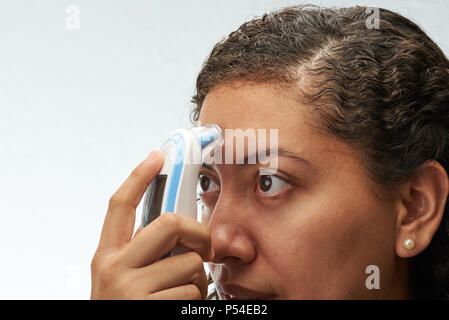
{"points": [[79, 109]]}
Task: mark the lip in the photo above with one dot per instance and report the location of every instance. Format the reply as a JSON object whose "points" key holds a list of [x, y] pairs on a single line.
{"points": [[235, 292]]}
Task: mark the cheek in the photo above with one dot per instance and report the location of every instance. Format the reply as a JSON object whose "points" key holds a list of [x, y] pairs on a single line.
{"points": [[206, 207], [322, 243]]}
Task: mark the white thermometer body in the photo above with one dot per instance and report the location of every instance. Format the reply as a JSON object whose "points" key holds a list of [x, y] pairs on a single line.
{"points": [[174, 188]]}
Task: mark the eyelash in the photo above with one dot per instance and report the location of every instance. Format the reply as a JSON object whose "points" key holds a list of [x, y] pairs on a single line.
{"points": [[258, 178], [267, 194]]}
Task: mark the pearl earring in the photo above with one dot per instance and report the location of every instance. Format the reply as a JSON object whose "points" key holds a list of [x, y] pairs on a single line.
{"points": [[409, 244]]}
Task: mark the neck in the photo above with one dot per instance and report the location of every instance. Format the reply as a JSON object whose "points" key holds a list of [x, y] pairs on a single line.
{"points": [[399, 287]]}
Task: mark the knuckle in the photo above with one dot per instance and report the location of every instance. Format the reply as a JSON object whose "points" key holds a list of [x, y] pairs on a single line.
{"points": [[195, 260], [205, 230], [192, 292], [169, 221], [110, 280], [115, 201], [106, 271], [94, 264]]}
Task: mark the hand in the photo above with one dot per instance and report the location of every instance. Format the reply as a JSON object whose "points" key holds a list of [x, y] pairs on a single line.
{"points": [[130, 267]]}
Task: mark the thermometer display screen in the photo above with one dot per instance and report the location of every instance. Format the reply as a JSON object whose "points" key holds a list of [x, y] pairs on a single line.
{"points": [[155, 197]]}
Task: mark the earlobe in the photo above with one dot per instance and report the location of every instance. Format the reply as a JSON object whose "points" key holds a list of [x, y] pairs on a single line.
{"points": [[422, 203]]}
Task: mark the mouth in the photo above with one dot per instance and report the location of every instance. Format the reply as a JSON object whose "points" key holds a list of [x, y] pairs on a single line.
{"points": [[234, 292]]}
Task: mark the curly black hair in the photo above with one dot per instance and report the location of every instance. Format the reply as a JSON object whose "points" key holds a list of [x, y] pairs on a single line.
{"points": [[384, 90]]}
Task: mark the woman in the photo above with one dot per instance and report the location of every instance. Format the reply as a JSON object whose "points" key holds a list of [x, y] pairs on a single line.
{"points": [[357, 207]]}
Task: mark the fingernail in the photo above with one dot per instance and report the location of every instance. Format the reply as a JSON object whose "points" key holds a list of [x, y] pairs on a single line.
{"points": [[151, 156]]}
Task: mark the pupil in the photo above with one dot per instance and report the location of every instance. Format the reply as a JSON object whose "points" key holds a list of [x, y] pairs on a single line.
{"points": [[265, 183], [204, 183]]}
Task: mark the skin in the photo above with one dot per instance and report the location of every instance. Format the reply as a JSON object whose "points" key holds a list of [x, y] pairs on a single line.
{"points": [[129, 267], [310, 235], [313, 239]]}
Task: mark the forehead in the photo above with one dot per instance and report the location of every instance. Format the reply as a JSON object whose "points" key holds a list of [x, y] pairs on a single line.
{"points": [[261, 106], [242, 105], [265, 106]]}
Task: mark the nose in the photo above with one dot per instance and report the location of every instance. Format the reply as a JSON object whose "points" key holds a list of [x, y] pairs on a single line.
{"points": [[230, 231]]}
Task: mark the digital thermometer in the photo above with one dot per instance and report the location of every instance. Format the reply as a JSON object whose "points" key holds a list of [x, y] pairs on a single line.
{"points": [[174, 188]]}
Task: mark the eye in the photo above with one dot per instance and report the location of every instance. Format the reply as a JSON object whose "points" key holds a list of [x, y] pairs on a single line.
{"points": [[271, 184], [206, 184]]}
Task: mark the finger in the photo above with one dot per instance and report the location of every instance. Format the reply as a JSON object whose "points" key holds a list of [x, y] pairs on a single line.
{"points": [[163, 234], [174, 271], [185, 292], [119, 222]]}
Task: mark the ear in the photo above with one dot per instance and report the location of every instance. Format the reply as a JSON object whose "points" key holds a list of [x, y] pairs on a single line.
{"points": [[422, 200]]}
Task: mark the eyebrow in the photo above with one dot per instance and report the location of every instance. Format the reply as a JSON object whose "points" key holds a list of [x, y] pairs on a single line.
{"points": [[208, 167], [281, 152], [296, 157]]}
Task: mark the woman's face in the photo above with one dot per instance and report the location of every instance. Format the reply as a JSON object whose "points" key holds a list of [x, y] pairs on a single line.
{"points": [[307, 231]]}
